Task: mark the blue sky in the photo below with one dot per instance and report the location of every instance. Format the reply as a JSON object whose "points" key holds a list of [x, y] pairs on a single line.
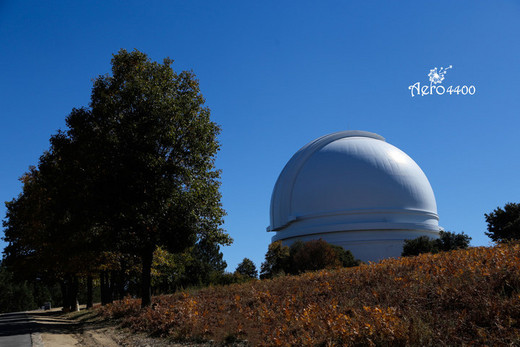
{"points": [[278, 74]]}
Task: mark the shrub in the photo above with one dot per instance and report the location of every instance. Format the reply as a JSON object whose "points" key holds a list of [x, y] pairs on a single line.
{"points": [[277, 260], [247, 268], [447, 241], [304, 256], [313, 255]]}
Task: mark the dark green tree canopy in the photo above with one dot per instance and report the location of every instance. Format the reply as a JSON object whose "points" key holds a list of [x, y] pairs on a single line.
{"points": [[247, 268], [133, 171], [149, 144], [277, 260], [318, 254], [419, 245], [450, 241], [304, 256], [504, 224], [447, 241]]}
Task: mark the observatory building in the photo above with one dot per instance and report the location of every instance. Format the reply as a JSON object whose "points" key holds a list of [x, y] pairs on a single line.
{"points": [[355, 190]]}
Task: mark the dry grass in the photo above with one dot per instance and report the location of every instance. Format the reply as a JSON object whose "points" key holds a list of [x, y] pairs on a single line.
{"points": [[466, 297]]}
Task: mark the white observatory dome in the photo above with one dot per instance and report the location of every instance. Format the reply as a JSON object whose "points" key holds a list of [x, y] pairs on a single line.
{"points": [[355, 190]]}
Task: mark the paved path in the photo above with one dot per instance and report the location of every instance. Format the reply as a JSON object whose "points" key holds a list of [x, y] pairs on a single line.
{"points": [[16, 329]]}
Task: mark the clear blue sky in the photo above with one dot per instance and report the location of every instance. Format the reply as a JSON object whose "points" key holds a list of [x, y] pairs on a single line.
{"points": [[276, 75]]}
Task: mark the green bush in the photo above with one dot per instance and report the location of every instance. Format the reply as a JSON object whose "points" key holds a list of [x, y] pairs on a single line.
{"points": [[247, 268], [14, 296], [305, 256], [447, 241]]}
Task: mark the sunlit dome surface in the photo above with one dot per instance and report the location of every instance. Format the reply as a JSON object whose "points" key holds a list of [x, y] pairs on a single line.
{"points": [[353, 189]]}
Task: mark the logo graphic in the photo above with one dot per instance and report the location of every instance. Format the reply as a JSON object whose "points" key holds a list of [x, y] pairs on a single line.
{"points": [[436, 77]]}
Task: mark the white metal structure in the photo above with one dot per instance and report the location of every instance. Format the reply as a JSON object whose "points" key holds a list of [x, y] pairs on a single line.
{"points": [[353, 189]]}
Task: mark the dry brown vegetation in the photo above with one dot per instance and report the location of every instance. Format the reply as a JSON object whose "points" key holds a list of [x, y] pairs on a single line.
{"points": [[465, 297]]}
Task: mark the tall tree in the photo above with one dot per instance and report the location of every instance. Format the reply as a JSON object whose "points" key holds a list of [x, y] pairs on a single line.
{"points": [[148, 146], [504, 224], [46, 240]]}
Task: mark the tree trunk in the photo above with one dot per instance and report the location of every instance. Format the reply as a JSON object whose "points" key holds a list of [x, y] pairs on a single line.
{"points": [[121, 284], [74, 304], [64, 294], [122, 280], [89, 292], [113, 291], [103, 288], [146, 279]]}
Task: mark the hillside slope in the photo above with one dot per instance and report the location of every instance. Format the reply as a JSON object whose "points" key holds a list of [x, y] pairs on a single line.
{"points": [[461, 297]]}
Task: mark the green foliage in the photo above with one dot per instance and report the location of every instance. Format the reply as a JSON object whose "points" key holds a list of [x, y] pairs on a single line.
{"points": [[198, 266], [305, 256], [155, 155], [206, 264], [166, 267], [14, 296], [313, 255], [447, 241], [247, 268], [154, 160], [504, 224], [133, 171], [346, 258], [22, 295], [318, 254], [419, 245], [277, 260]]}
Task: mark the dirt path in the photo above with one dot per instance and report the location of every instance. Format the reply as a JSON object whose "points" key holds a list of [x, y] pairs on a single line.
{"points": [[85, 329], [58, 329]]}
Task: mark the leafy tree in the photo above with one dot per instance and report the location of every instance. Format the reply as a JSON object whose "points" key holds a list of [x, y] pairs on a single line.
{"points": [[319, 254], [247, 268], [447, 241], [305, 256], [148, 147], [164, 269], [14, 296], [419, 245], [504, 224], [46, 238], [134, 171], [277, 260], [206, 264], [199, 265], [346, 258], [25, 228], [313, 255], [18, 294]]}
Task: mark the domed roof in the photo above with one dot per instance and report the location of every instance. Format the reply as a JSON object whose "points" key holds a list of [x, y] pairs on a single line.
{"points": [[351, 180]]}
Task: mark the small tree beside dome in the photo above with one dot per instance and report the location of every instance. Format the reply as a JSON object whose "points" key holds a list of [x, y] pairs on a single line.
{"points": [[446, 242], [247, 268], [305, 256], [277, 260]]}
